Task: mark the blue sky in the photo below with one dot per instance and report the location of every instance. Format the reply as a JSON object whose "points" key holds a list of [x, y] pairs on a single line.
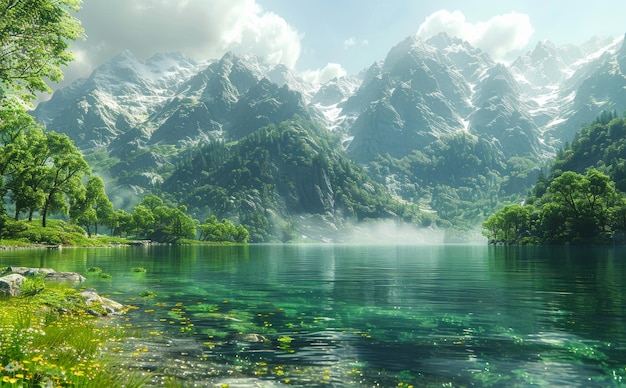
{"points": [[326, 24], [324, 38]]}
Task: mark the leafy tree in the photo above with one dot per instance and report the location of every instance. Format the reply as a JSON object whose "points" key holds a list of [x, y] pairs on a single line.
{"points": [[121, 223], [213, 230], [586, 201], [510, 224], [34, 42], [64, 173], [151, 202], [172, 224], [143, 220], [91, 206]]}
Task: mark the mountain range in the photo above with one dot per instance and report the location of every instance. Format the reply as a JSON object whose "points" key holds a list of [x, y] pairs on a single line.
{"points": [[436, 123]]}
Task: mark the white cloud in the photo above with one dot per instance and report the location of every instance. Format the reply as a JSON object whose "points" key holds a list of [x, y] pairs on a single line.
{"points": [[199, 28], [351, 42], [321, 76], [499, 36]]}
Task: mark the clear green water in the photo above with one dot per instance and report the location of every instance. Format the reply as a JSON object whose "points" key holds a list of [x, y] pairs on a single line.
{"points": [[348, 315]]}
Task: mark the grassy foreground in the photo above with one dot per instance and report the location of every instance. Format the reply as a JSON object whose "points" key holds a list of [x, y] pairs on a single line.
{"points": [[48, 339]]}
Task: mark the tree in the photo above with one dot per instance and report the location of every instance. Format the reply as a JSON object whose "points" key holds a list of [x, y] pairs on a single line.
{"points": [[143, 220], [585, 201], [91, 206], [34, 42], [66, 169], [173, 224], [510, 224], [28, 174]]}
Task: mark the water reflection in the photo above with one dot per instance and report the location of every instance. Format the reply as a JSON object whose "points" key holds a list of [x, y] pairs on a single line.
{"points": [[366, 315]]}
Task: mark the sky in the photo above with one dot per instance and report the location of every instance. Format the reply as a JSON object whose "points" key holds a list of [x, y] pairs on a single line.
{"points": [[321, 39]]}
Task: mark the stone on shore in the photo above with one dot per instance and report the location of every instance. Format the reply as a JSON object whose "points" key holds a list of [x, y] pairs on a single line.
{"points": [[11, 280], [49, 273], [72, 277], [11, 285], [110, 306]]}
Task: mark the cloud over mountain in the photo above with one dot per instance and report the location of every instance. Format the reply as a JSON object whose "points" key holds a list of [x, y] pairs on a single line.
{"points": [[201, 29], [499, 36]]}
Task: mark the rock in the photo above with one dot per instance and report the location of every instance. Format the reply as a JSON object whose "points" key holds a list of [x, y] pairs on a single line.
{"points": [[18, 270], [37, 271], [65, 277], [252, 337], [108, 305], [10, 285]]}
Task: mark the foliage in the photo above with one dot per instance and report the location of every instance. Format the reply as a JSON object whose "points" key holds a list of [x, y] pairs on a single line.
{"points": [[277, 173], [574, 208], [460, 176], [34, 42], [40, 347], [92, 206], [57, 232], [213, 230], [583, 198]]}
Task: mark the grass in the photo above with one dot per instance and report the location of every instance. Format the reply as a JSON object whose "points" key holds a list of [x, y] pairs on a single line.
{"points": [[57, 232], [42, 347]]}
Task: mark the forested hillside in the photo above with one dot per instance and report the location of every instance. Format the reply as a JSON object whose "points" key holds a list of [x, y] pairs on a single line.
{"points": [[282, 178], [582, 199]]}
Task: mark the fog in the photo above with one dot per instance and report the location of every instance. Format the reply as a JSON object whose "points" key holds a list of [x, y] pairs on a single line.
{"points": [[393, 232], [383, 232]]}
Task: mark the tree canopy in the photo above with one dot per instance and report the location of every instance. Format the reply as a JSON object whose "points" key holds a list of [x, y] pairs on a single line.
{"points": [[34, 39]]}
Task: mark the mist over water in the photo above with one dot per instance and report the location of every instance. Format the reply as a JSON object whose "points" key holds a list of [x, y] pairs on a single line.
{"points": [[392, 232]]}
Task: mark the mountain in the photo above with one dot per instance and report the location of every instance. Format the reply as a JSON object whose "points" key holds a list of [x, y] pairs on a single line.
{"points": [[437, 123], [118, 96], [282, 181]]}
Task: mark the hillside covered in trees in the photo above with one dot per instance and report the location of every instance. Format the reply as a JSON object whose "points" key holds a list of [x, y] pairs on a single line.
{"points": [[582, 200]]}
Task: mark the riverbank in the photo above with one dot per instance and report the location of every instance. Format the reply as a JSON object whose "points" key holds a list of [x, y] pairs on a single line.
{"points": [[54, 334]]}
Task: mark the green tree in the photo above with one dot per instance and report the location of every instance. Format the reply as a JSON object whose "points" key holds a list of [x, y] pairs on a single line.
{"points": [[34, 42], [510, 224], [91, 206], [27, 180], [586, 201], [121, 223], [143, 220], [67, 167], [172, 224]]}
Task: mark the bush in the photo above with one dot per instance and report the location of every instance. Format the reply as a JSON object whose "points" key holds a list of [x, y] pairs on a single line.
{"points": [[33, 285]]}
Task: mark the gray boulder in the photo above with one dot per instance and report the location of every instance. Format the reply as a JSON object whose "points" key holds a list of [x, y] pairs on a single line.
{"points": [[11, 285], [72, 277]]}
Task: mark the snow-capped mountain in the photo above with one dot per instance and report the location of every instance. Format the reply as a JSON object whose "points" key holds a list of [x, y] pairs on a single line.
{"points": [[171, 99], [440, 95], [118, 96]]}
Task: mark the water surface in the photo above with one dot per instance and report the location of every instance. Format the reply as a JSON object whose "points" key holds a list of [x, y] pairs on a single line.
{"points": [[359, 315]]}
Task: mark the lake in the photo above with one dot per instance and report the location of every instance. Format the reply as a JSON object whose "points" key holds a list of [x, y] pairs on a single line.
{"points": [[363, 315]]}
